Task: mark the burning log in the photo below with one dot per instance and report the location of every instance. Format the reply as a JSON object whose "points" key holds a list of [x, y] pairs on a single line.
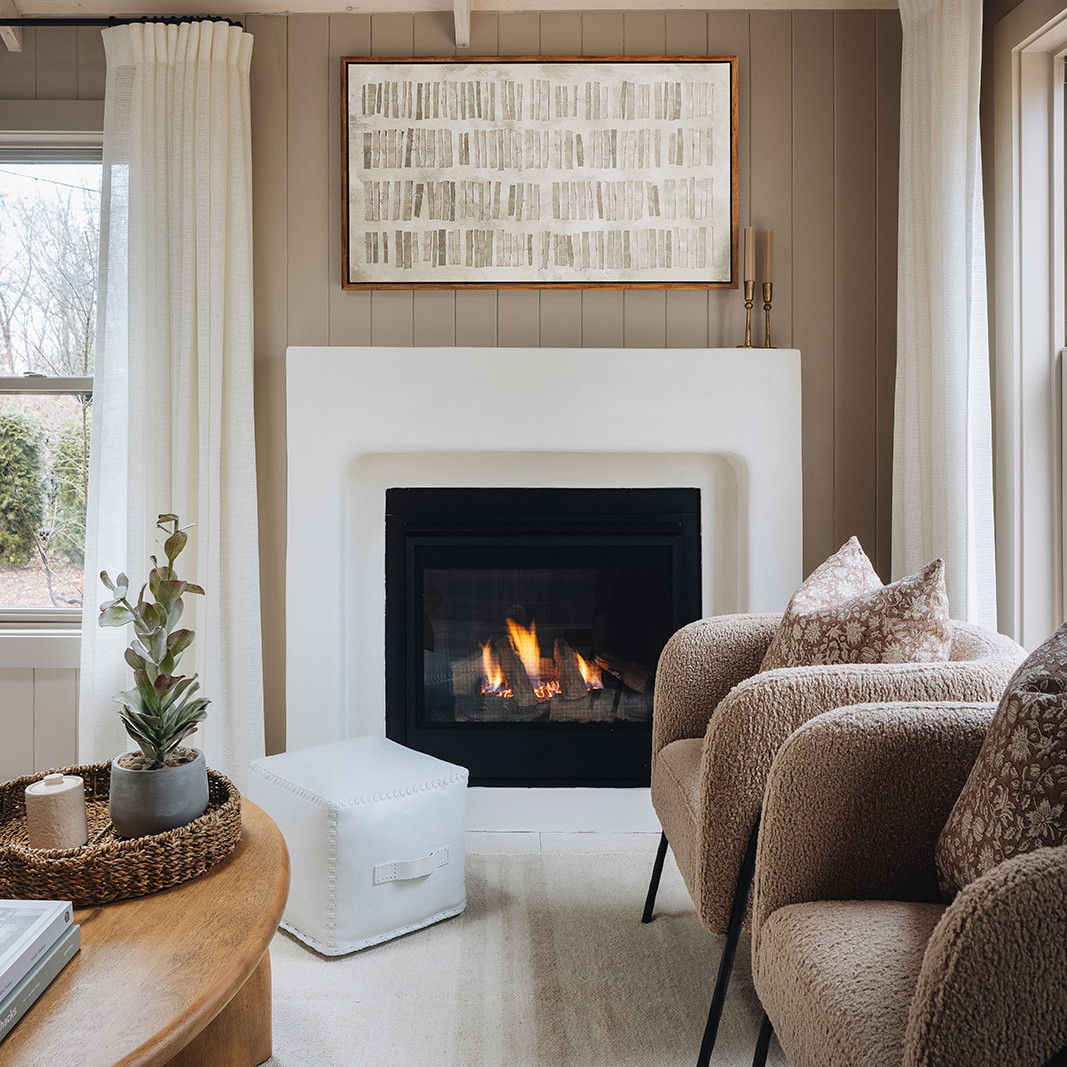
{"points": [[467, 676], [635, 675], [518, 680], [571, 683]]}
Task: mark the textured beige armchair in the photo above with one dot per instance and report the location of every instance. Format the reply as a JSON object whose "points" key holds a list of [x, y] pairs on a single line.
{"points": [[856, 959], [718, 724]]}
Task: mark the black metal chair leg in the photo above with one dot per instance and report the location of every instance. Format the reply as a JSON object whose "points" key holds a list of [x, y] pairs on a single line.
{"points": [[729, 949], [653, 885], [763, 1042]]}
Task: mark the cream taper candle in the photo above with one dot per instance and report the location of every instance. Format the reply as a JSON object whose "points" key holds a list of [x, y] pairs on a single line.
{"points": [[750, 254], [55, 812]]}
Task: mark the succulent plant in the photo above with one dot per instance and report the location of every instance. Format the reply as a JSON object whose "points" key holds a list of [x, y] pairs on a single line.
{"points": [[163, 707]]}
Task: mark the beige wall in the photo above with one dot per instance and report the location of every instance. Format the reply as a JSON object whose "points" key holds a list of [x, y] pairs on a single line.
{"points": [[818, 157]]}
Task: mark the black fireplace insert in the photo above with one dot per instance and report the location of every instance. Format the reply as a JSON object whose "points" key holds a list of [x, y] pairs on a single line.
{"points": [[523, 626]]}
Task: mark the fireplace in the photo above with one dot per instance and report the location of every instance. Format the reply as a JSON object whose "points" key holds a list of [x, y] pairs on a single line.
{"points": [[523, 625], [362, 420]]}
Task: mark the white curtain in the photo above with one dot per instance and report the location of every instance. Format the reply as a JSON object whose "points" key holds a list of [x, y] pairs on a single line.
{"points": [[172, 412], [942, 457]]}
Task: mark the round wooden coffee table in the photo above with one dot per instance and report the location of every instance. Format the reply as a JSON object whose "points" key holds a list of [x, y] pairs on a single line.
{"points": [[180, 977]]}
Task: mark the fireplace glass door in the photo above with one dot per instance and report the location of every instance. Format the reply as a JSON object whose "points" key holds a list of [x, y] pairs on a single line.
{"points": [[524, 626]]}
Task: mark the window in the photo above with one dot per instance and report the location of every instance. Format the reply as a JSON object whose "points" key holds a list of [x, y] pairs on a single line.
{"points": [[49, 240]]}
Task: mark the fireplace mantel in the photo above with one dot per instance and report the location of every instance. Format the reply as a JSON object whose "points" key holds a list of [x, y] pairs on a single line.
{"points": [[361, 420]]}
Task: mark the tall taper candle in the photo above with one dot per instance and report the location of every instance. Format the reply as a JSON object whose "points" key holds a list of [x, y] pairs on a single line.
{"points": [[750, 254], [55, 812], [768, 255]]}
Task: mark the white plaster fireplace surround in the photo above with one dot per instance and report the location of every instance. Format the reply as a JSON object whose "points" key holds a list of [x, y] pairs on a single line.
{"points": [[363, 420]]}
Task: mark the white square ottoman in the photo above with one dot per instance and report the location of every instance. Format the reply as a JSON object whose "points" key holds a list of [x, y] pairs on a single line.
{"points": [[375, 833]]}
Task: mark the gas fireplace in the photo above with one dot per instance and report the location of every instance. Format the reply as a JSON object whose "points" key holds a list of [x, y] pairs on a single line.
{"points": [[523, 626]]}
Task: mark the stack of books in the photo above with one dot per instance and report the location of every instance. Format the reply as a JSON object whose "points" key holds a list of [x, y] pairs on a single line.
{"points": [[38, 938]]}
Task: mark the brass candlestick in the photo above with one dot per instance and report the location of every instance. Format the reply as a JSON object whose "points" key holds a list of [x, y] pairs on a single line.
{"points": [[750, 296], [768, 288]]}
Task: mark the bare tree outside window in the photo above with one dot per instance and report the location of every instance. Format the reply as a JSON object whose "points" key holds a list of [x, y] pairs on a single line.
{"points": [[49, 242]]}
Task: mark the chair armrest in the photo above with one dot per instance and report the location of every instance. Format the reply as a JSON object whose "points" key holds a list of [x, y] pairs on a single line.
{"points": [[855, 802], [992, 987], [699, 665], [753, 721]]}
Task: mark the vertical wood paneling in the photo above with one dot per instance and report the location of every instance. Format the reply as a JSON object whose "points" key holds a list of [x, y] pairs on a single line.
{"points": [[308, 214], [561, 319], [392, 35], [813, 278], [55, 719], [433, 34], [889, 35], [16, 698], [686, 33], [729, 35], [476, 318], [57, 63], [484, 40], [772, 182], [561, 34], [350, 35], [644, 33], [518, 34], [602, 319], [18, 70], [433, 317], [518, 316], [645, 318], [92, 72], [392, 320], [855, 239], [270, 284], [602, 33]]}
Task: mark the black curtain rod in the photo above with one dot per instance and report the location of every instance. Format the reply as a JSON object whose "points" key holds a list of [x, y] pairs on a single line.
{"points": [[113, 21]]}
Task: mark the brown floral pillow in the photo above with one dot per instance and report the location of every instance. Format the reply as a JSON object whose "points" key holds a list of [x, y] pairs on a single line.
{"points": [[1015, 798], [843, 614]]}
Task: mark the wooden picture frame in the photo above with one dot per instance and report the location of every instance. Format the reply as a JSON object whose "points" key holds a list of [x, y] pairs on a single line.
{"points": [[539, 172]]}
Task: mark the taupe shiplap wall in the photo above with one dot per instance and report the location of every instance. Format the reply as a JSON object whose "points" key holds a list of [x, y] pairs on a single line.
{"points": [[818, 161]]}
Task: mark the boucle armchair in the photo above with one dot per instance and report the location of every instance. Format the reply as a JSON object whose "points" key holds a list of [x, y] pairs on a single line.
{"points": [[718, 723], [856, 958]]}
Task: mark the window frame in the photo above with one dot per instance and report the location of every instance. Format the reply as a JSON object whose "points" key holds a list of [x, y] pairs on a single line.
{"points": [[47, 146]]}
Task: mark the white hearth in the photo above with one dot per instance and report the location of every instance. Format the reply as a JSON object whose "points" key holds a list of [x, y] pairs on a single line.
{"points": [[363, 420]]}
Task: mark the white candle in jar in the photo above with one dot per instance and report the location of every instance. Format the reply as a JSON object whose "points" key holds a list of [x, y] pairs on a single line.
{"points": [[55, 812]]}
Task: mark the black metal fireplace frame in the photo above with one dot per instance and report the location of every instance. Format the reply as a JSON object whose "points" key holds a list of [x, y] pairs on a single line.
{"points": [[668, 518]]}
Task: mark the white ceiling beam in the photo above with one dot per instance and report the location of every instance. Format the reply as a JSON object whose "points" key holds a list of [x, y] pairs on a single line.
{"points": [[461, 16], [239, 8], [11, 35]]}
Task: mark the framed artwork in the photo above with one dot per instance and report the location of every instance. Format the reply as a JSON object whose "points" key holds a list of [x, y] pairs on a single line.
{"points": [[534, 172]]}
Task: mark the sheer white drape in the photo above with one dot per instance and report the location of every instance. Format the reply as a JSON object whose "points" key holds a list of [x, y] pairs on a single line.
{"points": [[942, 457], [172, 415]]}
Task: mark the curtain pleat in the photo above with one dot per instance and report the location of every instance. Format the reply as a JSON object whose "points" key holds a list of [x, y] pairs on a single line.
{"points": [[943, 450], [172, 411]]}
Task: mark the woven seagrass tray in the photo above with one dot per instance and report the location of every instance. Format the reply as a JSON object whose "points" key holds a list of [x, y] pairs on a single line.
{"points": [[110, 867]]}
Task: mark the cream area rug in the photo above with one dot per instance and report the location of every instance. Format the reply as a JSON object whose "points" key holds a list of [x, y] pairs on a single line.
{"points": [[549, 966]]}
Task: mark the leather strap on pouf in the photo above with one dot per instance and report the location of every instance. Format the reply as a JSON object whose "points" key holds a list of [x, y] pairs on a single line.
{"points": [[400, 870]]}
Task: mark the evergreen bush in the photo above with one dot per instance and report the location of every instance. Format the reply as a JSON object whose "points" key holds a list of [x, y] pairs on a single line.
{"points": [[70, 460], [22, 475]]}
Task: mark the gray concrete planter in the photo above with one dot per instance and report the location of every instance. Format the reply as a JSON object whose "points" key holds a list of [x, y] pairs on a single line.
{"points": [[149, 802]]}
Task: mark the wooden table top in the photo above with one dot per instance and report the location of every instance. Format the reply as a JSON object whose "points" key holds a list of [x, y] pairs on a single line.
{"points": [[154, 971]]}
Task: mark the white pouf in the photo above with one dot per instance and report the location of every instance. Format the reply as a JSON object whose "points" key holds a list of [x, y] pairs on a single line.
{"points": [[375, 833]]}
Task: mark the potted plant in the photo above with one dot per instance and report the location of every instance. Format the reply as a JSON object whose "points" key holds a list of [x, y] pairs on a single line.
{"points": [[164, 785]]}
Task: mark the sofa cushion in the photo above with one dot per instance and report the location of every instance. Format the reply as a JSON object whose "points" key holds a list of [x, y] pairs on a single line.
{"points": [[837, 978], [1015, 798], [843, 614]]}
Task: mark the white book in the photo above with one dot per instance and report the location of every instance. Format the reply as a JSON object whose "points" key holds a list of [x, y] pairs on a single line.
{"points": [[28, 928], [39, 977]]}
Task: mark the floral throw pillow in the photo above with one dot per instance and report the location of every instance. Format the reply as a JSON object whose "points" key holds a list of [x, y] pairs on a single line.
{"points": [[843, 614], [1015, 798]]}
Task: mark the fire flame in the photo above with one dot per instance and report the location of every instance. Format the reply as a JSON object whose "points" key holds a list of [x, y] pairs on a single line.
{"points": [[524, 641], [591, 673]]}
